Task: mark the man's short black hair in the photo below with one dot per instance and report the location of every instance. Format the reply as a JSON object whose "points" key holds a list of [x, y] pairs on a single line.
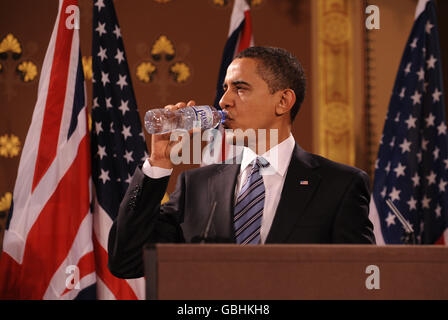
{"points": [[281, 70]]}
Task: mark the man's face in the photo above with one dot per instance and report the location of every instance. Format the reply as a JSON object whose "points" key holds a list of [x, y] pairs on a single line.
{"points": [[247, 98]]}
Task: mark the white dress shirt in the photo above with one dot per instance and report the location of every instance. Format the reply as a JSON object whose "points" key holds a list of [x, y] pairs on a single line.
{"points": [[273, 177]]}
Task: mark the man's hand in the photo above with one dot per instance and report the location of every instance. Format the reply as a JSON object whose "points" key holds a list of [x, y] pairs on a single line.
{"points": [[161, 145]]}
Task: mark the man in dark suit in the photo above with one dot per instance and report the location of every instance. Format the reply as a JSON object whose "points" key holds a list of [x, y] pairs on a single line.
{"points": [[296, 198]]}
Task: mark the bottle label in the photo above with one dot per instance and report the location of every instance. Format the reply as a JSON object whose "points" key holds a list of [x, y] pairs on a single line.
{"points": [[204, 116]]}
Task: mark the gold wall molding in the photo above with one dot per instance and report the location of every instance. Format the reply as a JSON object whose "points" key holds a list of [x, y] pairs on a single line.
{"points": [[14, 73], [333, 86], [167, 68], [87, 67], [9, 146], [5, 202]]}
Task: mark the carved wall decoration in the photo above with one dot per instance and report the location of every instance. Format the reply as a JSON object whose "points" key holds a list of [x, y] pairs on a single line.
{"points": [[87, 67], [166, 68], [9, 146], [180, 72], [12, 44], [27, 71], [336, 133], [5, 202], [163, 46], [145, 70], [13, 73]]}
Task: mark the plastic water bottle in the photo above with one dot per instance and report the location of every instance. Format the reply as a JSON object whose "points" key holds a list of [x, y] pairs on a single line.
{"points": [[159, 121]]}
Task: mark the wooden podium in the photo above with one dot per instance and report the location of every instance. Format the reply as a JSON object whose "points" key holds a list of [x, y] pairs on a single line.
{"points": [[295, 272]]}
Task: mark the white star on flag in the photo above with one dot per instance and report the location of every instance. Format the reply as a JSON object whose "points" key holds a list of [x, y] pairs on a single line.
{"points": [[122, 82], [101, 28], [438, 211], [119, 56], [124, 106], [390, 219], [416, 179], [95, 103], [436, 95], [402, 93], [416, 98], [102, 53], [430, 120], [441, 129], [117, 31], [431, 62], [104, 78], [411, 122], [104, 176], [431, 178], [436, 153], [395, 194], [108, 102], [126, 132], [98, 127], [421, 74], [101, 152], [399, 170], [405, 146], [412, 204], [128, 156], [425, 202], [99, 4], [442, 185]]}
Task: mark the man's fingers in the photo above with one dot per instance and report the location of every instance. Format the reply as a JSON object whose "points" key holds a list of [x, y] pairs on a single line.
{"points": [[170, 107], [191, 103]]}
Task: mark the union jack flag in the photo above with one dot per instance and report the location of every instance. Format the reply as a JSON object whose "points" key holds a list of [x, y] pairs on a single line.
{"points": [[47, 249], [412, 165], [118, 143]]}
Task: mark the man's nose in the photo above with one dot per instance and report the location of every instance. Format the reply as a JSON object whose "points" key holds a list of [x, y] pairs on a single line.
{"points": [[225, 101]]}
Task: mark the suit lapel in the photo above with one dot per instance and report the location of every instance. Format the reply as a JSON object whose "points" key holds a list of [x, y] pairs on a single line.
{"points": [[300, 184], [222, 189]]}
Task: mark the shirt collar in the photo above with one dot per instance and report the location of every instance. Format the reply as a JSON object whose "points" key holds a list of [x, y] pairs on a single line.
{"points": [[277, 163]]}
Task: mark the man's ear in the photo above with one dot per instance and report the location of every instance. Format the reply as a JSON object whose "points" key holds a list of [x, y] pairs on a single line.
{"points": [[287, 100]]}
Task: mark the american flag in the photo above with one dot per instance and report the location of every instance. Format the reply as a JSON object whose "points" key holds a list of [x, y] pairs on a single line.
{"points": [[412, 165], [117, 142], [48, 250]]}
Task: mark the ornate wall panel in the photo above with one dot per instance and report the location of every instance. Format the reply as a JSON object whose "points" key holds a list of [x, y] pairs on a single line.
{"points": [[334, 95]]}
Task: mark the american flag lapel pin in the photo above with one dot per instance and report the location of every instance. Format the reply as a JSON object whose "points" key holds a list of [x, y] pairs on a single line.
{"points": [[304, 182]]}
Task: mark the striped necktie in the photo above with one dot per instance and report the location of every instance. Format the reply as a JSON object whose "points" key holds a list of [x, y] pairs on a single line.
{"points": [[249, 206]]}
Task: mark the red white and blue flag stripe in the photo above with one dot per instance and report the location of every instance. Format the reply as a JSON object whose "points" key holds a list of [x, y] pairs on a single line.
{"points": [[412, 165], [117, 143], [240, 37], [49, 229]]}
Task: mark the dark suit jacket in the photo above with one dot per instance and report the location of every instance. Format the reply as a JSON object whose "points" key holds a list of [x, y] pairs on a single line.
{"points": [[332, 208]]}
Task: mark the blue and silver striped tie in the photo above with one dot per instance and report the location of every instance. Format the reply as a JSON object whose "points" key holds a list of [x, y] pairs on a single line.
{"points": [[249, 206]]}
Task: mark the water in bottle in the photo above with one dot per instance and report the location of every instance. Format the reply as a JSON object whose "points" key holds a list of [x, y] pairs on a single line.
{"points": [[159, 121]]}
